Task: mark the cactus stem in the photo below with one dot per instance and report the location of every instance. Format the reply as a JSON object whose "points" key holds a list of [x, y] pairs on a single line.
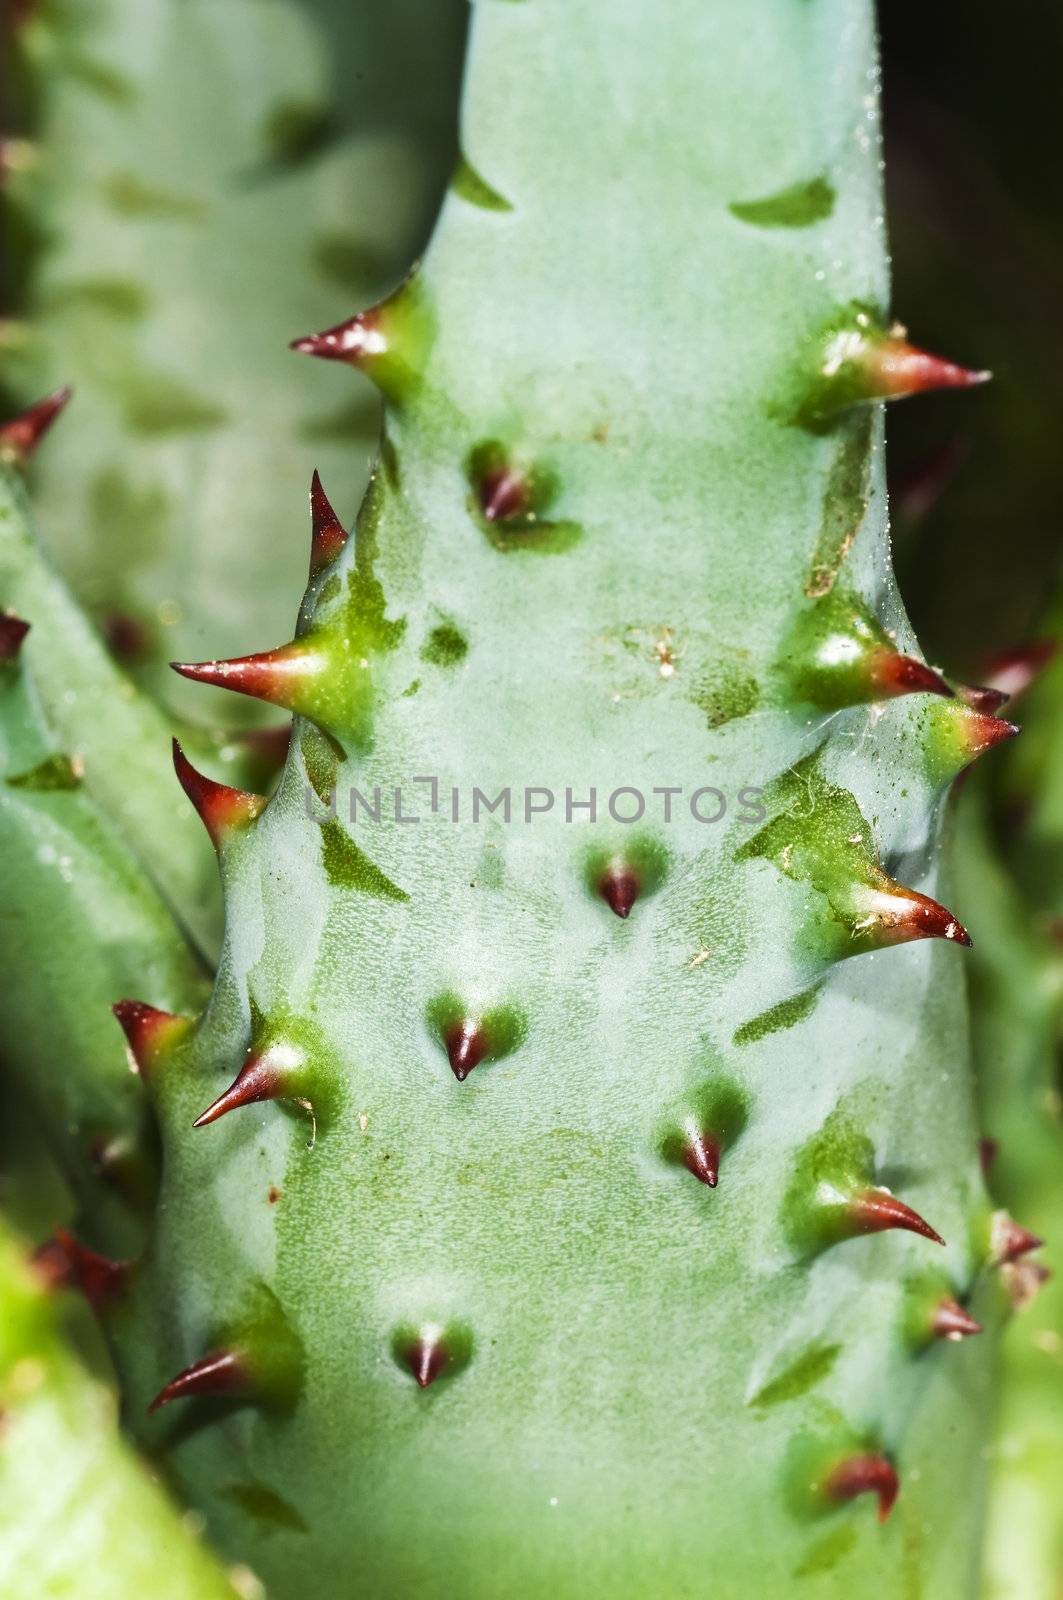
{"points": [[951, 1321], [12, 632], [20, 437], [869, 1473], [328, 535], [220, 1372], [222, 810], [877, 1210]]}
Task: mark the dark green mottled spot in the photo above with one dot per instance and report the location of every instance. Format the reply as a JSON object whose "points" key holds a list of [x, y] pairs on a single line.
{"points": [[348, 262], [411, 689], [798, 206], [476, 190], [389, 460], [155, 403], [778, 1017], [348, 867], [264, 1505], [116, 297], [826, 1552], [725, 692], [445, 646], [57, 772], [295, 130], [131, 196], [321, 757], [845, 501], [810, 1368], [329, 589]]}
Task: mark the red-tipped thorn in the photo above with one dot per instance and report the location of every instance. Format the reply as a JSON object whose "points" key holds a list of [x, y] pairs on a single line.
{"points": [[12, 632], [893, 675], [276, 675], [899, 915], [466, 1046], [982, 733], [701, 1156], [980, 697], [1010, 1240], [503, 493], [328, 535], [896, 369], [1012, 671], [260, 1078], [221, 809], [220, 1372], [877, 1210], [356, 339], [426, 1358], [1023, 1281], [619, 888], [20, 437], [864, 1474], [951, 1321], [147, 1031], [64, 1263], [988, 1150]]}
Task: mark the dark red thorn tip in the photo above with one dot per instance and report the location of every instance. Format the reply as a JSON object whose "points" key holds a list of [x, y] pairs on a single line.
{"points": [[619, 888], [898, 369], [220, 1372], [701, 1156], [1011, 1240], [258, 1079], [985, 732], [272, 676], [328, 535], [21, 436], [503, 494], [981, 697], [895, 674], [426, 1358], [64, 1263], [12, 632], [951, 1321], [360, 336], [144, 1026], [864, 1474], [988, 1150], [220, 808], [877, 1211], [466, 1046]]}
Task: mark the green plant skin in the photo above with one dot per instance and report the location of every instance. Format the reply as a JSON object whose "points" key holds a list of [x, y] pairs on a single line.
{"points": [[80, 1515], [618, 1323], [213, 177]]}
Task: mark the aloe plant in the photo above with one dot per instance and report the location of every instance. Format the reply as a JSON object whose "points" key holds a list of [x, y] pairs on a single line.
{"points": [[584, 1177]]}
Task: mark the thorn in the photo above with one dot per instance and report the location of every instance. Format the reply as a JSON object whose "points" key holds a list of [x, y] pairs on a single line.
{"points": [[951, 1321], [277, 676], [221, 809], [426, 1357], [220, 1372], [466, 1045], [64, 1263], [1013, 671], [1009, 1240], [147, 1031], [127, 639], [980, 697], [896, 369], [898, 915], [701, 1156], [503, 494], [328, 535], [20, 437], [12, 632], [355, 341], [619, 887], [982, 732], [893, 674], [1023, 1281], [262, 1077], [877, 1210], [988, 1150], [864, 1474]]}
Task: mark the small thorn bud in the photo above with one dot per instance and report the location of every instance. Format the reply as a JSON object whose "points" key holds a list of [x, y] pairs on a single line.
{"points": [[619, 887], [864, 1474], [219, 1373], [1023, 1281], [701, 1156], [466, 1046], [328, 535], [504, 494], [426, 1360], [877, 1210], [431, 1351], [1009, 1241], [64, 1263], [988, 1150], [388, 342], [896, 915], [469, 1037], [20, 437], [12, 632], [980, 697], [148, 1032], [222, 810], [951, 1321]]}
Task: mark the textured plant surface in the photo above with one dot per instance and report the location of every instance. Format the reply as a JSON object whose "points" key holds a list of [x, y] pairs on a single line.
{"points": [[580, 1201]]}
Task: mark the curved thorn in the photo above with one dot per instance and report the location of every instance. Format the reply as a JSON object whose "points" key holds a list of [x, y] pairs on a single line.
{"points": [[147, 1030], [65, 1263], [897, 369], [274, 675], [258, 1079], [328, 535], [12, 632], [951, 1321], [221, 809], [466, 1045], [20, 437], [870, 1473], [877, 1210], [896, 674], [220, 1372]]}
